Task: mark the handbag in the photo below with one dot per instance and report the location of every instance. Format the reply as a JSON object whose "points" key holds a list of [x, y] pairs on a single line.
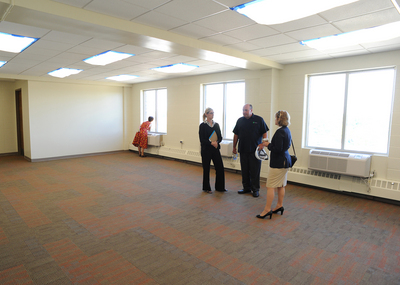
{"points": [[293, 157], [136, 140]]}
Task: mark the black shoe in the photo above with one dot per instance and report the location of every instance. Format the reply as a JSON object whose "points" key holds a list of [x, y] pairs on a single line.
{"points": [[208, 191], [224, 190], [281, 209], [243, 191], [267, 214], [256, 194]]}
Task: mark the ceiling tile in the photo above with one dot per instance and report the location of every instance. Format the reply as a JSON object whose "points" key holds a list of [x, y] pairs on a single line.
{"points": [[201, 63], [225, 21], [280, 49], [193, 31], [231, 3], [191, 10], [243, 46], [132, 49], [65, 38], [159, 20], [13, 68], [28, 62], [22, 30], [116, 8], [57, 46], [383, 48], [149, 4], [355, 9], [181, 58], [314, 32], [62, 62], [349, 53], [221, 39], [391, 42], [7, 55], [71, 56], [344, 49], [251, 32], [88, 51], [307, 22], [76, 3], [101, 44], [369, 20], [271, 41], [35, 51]]}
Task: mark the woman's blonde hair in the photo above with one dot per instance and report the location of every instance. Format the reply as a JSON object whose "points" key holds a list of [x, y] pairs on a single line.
{"points": [[283, 118], [208, 110]]}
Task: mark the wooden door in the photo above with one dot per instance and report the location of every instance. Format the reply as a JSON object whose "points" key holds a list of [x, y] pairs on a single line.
{"points": [[20, 129]]}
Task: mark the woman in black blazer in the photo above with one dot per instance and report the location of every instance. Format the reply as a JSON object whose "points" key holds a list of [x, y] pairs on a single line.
{"points": [[210, 151], [280, 161]]}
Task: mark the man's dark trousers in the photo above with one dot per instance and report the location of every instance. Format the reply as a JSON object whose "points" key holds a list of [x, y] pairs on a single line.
{"points": [[251, 168]]}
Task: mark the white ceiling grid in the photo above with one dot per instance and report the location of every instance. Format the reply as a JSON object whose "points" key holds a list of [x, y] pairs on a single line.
{"points": [[162, 32]]}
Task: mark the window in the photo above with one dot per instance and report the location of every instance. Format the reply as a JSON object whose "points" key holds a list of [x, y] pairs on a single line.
{"points": [[227, 100], [350, 111], [155, 105]]}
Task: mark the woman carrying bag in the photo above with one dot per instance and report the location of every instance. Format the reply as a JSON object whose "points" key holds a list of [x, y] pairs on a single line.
{"points": [[140, 140], [280, 161]]}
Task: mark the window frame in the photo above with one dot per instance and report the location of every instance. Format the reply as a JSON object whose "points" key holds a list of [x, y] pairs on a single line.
{"points": [[142, 117], [225, 95], [345, 105]]}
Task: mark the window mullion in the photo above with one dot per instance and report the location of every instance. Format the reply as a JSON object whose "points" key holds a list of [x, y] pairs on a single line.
{"points": [[345, 112], [156, 111], [224, 111]]}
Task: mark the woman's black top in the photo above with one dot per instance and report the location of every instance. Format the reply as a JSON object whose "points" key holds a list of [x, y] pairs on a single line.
{"points": [[279, 147], [205, 132]]}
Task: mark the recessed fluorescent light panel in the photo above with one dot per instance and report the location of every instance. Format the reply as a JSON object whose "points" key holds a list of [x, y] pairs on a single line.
{"points": [[272, 12], [176, 68], [375, 34], [122, 77], [107, 57], [2, 63], [64, 72], [15, 43]]}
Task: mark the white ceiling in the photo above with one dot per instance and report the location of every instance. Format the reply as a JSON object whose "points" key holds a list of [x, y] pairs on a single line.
{"points": [[161, 32]]}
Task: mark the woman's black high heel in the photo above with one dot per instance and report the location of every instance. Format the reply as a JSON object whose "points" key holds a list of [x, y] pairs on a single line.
{"points": [[281, 209], [267, 214]]}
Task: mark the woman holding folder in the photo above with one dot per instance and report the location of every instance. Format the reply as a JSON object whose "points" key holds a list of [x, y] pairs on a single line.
{"points": [[210, 138]]}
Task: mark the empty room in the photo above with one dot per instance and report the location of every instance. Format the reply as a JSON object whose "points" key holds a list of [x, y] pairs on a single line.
{"points": [[105, 175]]}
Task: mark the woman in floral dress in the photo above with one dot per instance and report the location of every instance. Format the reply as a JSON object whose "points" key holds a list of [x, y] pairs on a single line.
{"points": [[140, 140]]}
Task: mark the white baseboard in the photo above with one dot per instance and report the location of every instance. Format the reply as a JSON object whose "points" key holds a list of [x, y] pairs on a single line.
{"points": [[369, 187]]}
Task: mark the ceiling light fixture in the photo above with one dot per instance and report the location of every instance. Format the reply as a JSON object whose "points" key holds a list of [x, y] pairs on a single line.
{"points": [[176, 68], [396, 5], [107, 57], [122, 77], [272, 12], [64, 72], [15, 43], [375, 34], [2, 63]]}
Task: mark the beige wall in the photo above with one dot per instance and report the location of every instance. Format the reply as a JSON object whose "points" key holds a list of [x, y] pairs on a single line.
{"points": [[185, 108], [73, 119], [8, 119], [62, 119], [291, 97]]}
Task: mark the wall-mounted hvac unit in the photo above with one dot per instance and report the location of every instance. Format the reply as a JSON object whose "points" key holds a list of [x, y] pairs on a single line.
{"points": [[352, 164], [226, 148], [154, 139]]}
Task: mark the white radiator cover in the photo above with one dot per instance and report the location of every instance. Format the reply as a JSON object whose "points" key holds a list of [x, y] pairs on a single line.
{"points": [[226, 148], [352, 164], [154, 139]]}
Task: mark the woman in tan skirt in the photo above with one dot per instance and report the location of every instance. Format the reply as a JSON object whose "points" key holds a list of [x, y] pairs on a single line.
{"points": [[280, 162]]}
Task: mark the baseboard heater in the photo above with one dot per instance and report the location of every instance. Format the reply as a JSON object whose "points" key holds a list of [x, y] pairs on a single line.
{"points": [[352, 164]]}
